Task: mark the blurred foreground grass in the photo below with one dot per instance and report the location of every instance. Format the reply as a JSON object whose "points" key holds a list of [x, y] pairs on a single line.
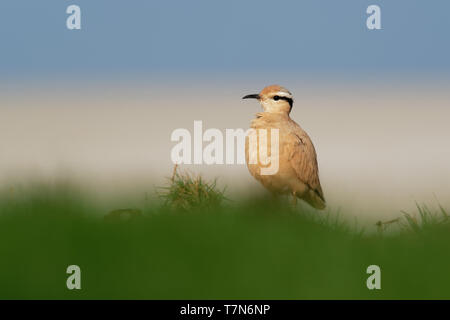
{"points": [[208, 249]]}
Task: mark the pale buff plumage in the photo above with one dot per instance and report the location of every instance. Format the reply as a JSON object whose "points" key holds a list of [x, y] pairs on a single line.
{"points": [[298, 172]]}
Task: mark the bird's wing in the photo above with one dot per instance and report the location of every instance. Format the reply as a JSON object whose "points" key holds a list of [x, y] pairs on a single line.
{"points": [[303, 159]]}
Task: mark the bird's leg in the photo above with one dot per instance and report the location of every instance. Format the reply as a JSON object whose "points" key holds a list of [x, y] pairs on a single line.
{"points": [[294, 199]]}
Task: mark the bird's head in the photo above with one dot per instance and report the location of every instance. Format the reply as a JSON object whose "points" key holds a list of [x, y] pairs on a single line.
{"points": [[274, 99]]}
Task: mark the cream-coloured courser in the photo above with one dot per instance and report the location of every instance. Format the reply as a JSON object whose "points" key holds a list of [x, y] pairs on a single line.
{"points": [[298, 173]]}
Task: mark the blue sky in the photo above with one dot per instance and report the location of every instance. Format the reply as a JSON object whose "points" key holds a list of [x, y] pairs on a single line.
{"points": [[197, 36]]}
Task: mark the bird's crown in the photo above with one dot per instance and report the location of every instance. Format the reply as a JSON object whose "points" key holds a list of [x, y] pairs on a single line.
{"points": [[275, 90]]}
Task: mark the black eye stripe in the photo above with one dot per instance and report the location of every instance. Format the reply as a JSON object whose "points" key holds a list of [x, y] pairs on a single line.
{"points": [[276, 98], [289, 100]]}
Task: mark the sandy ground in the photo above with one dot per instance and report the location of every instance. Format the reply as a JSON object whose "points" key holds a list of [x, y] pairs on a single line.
{"points": [[379, 148]]}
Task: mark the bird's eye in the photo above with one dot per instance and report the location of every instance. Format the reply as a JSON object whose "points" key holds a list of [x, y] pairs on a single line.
{"points": [[276, 98]]}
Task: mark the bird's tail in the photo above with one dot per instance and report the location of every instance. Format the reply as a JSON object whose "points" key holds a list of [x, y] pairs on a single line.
{"points": [[315, 200]]}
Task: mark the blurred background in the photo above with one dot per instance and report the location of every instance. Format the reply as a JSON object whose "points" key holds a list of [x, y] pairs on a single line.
{"points": [[97, 105]]}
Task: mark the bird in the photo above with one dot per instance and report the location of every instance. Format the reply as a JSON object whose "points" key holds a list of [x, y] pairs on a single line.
{"points": [[298, 172]]}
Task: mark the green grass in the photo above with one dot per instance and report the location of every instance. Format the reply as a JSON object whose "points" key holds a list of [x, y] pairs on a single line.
{"points": [[427, 219], [187, 191], [210, 249]]}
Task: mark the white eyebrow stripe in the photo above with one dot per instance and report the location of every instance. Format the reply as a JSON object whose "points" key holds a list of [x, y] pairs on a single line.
{"points": [[284, 94]]}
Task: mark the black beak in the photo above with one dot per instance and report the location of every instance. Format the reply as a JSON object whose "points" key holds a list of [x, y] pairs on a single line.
{"points": [[252, 96]]}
